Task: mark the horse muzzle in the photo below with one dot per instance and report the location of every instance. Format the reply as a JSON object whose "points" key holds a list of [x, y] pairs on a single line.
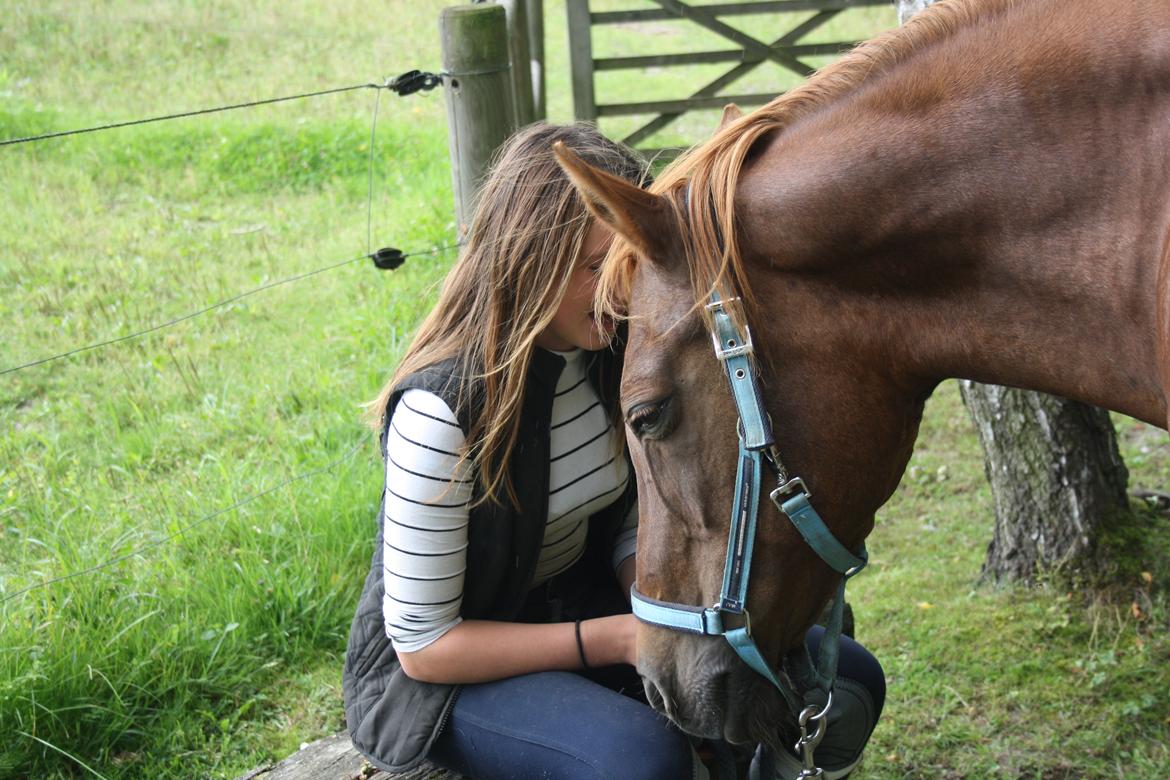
{"points": [[705, 689]]}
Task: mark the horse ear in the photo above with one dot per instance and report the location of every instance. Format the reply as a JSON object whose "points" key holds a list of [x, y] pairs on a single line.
{"points": [[638, 216], [731, 113]]}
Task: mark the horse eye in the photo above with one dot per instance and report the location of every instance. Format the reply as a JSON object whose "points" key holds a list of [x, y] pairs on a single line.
{"points": [[648, 419]]}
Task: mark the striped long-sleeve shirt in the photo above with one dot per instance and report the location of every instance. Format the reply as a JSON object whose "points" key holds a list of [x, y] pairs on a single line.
{"points": [[428, 491]]}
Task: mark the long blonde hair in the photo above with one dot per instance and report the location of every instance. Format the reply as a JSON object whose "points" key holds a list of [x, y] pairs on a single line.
{"points": [[527, 233]]}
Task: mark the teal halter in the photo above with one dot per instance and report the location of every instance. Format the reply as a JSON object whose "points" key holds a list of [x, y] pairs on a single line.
{"points": [[757, 447]]}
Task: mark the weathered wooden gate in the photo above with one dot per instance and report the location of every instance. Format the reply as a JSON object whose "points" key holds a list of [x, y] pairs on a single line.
{"points": [[747, 54]]}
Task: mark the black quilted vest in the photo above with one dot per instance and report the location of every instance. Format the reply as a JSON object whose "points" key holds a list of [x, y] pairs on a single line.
{"points": [[392, 719]]}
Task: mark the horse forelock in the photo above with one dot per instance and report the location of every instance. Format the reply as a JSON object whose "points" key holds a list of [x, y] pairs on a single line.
{"points": [[709, 173]]}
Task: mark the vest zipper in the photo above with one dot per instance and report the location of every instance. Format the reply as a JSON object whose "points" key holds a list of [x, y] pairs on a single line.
{"points": [[447, 712]]}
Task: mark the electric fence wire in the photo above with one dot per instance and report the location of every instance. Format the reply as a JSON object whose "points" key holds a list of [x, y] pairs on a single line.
{"points": [[406, 84], [370, 175], [183, 114], [214, 306]]}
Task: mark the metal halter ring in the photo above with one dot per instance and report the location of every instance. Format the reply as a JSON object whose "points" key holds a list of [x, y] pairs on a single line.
{"points": [[807, 713], [796, 484], [747, 616], [807, 744]]}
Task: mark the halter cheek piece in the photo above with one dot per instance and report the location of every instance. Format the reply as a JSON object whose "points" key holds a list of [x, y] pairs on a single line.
{"points": [[756, 448]]}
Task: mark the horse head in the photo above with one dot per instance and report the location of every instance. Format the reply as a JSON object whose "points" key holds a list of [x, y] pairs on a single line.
{"points": [[841, 423], [898, 219]]}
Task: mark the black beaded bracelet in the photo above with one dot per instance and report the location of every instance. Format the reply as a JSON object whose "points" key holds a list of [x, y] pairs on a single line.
{"points": [[580, 645]]}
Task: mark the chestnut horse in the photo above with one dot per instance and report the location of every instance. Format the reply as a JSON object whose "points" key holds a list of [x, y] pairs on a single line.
{"points": [[983, 193]]}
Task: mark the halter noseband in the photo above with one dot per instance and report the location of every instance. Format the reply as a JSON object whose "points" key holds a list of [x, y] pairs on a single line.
{"points": [[757, 447]]}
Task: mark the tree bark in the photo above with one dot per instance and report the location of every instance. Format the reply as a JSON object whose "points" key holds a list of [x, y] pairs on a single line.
{"points": [[1055, 474], [1054, 468]]}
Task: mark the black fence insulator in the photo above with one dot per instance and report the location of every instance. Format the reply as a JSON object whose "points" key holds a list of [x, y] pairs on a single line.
{"points": [[414, 81], [388, 259]]}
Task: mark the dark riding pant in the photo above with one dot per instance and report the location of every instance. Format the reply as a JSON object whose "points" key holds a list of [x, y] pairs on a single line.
{"points": [[558, 725]]}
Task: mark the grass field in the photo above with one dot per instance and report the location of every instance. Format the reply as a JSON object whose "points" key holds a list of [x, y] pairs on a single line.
{"points": [[207, 652]]}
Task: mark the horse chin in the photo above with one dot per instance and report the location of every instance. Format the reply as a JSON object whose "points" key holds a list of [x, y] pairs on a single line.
{"points": [[720, 699]]}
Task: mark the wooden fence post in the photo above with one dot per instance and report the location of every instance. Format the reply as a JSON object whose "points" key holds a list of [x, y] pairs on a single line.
{"points": [[536, 53], [478, 90], [517, 13], [581, 58]]}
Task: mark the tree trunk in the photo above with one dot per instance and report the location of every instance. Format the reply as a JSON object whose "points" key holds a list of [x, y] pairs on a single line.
{"points": [[1053, 464], [1055, 474], [907, 8]]}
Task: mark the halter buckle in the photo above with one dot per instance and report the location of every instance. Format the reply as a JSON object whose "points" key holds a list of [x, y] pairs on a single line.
{"points": [[794, 485], [721, 610], [733, 346]]}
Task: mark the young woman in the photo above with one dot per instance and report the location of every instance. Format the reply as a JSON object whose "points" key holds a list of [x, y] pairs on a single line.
{"points": [[493, 636]]}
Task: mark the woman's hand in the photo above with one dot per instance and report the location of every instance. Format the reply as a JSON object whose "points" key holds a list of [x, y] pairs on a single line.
{"points": [[610, 640]]}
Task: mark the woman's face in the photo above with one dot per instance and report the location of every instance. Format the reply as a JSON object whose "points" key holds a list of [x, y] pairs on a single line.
{"points": [[574, 324]]}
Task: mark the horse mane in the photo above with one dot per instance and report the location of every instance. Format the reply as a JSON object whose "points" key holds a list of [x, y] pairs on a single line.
{"points": [[700, 185]]}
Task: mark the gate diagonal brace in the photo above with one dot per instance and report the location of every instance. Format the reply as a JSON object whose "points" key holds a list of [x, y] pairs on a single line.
{"points": [[760, 49], [736, 73]]}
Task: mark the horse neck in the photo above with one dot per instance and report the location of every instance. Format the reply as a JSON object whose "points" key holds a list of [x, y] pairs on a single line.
{"points": [[1010, 234]]}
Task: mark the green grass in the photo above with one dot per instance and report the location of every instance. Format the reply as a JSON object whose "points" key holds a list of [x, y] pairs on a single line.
{"points": [[221, 649], [1048, 682]]}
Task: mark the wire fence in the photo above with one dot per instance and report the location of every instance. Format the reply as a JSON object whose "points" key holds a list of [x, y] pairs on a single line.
{"points": [[378, 258], [406, 84], [386, 258]]}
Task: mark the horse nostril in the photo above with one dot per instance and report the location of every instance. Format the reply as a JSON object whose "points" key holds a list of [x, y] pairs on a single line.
{"points": [[654, 696], [661, 701]]}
